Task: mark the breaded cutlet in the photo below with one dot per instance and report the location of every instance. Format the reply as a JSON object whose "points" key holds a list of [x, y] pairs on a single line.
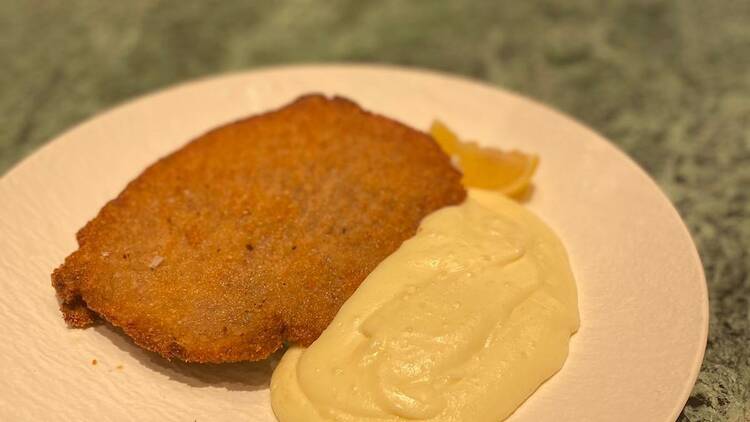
{"points": [[255, 233]]}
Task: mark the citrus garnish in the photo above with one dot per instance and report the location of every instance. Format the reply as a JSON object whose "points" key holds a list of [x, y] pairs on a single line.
{"points": [[508, 172]]}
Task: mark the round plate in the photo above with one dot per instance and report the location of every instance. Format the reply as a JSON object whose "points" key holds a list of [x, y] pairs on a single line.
{"points": [[642, 293]]}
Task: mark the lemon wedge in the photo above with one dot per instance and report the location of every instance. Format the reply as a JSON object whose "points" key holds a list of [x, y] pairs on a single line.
{"points": [[508, 172]]}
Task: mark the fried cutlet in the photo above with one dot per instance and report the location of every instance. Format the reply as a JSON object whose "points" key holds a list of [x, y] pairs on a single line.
{"points": [[255, 233]]}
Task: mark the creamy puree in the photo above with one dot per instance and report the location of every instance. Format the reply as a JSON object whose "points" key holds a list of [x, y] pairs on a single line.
{"points": [[462, 323]]}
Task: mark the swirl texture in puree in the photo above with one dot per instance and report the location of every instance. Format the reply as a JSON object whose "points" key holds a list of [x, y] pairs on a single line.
{"points": [[462, 323]]}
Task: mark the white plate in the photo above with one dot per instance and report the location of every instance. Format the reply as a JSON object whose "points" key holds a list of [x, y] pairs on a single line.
{"points": [[643, 299]]}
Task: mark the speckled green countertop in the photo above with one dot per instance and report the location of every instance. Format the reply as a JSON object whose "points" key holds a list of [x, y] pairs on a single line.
{"points": [[668, 81]]}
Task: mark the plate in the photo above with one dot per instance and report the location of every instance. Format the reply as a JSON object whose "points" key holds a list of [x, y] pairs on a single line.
{"points": [[642, 293]]}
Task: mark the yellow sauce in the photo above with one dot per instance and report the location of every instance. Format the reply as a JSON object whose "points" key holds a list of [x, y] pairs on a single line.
{"points": [[462, 323]]}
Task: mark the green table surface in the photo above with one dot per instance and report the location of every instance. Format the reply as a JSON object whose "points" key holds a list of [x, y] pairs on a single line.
{"points": [[667, 81]]}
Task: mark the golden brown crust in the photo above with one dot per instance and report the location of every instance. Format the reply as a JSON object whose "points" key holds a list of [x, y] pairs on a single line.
{"points": [[256, 232]]}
